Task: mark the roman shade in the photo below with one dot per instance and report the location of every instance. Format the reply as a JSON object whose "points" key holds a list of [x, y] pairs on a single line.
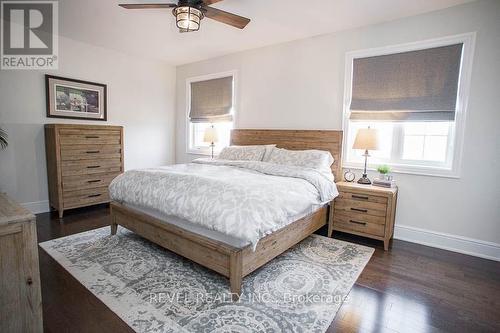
{"points": [[211, 100], [410, 86]]}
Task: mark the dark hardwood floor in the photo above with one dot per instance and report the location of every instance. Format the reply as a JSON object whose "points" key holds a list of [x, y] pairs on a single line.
{"points": [[411, 288]]}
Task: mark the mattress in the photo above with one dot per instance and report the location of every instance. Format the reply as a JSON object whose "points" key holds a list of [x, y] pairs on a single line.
{"points": [[209, 233]]}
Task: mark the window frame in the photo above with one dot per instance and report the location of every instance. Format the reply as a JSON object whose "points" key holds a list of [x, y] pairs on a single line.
{"points": [[457, 132], [197, 150]]}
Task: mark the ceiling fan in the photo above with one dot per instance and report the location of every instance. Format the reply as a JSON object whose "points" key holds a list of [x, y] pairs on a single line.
{"points": [[189, 13]]}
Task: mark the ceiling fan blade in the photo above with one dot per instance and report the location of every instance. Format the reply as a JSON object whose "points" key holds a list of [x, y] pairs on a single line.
{"points": [[210, 2], [227, 18], [147, 5]]}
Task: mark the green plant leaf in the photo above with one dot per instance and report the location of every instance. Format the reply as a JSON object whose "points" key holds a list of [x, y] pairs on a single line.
{"points": [[384, 169]]}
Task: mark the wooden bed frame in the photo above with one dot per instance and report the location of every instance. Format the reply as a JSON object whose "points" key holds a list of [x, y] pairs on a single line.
{"points": [[236, 263]]}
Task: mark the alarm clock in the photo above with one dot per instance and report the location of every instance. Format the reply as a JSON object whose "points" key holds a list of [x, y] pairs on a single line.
{"points": [[349, 176]]}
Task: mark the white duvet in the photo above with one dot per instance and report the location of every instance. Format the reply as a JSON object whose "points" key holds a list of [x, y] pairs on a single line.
{"points": [[242, 199]]}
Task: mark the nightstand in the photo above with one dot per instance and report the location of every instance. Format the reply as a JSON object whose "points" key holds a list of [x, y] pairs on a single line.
{"points": [[364, 210]]}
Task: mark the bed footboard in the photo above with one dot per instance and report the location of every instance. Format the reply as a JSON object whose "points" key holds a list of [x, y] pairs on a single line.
{"points": [[231, 262]]}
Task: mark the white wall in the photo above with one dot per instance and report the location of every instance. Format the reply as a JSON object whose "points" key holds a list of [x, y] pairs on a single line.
{"points": [[299, 85], [141, 97]]}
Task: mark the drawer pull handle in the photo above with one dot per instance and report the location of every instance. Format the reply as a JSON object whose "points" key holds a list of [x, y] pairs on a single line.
{"points": [[93, 166], [357, 222], [93, 196], [93, 152], [29, 281], [359, 197], [93, 181], [91, 137], [360, 210]]}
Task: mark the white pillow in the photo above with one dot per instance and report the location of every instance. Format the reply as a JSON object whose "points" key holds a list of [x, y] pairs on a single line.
{"points": [[267, 154], [320, 160], [243, 153]]}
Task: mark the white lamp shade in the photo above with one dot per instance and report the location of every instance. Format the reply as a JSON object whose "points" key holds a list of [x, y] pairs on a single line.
{"points": [[366, 139], [210, 135]]}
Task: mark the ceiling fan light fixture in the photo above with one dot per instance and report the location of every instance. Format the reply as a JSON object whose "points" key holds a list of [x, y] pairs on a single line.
{"points": [[188, 18]]}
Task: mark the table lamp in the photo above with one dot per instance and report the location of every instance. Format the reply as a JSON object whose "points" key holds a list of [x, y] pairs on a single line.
{"points": [[367, 139], [211, 137]]}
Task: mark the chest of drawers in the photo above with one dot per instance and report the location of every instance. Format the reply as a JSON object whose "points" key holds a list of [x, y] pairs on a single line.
{"points": [[364, 210], [81, 162]]}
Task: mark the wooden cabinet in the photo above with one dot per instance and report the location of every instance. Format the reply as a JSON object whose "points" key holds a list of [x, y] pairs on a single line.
{"points": [[81, 162], [364, 210], [20, 298]]}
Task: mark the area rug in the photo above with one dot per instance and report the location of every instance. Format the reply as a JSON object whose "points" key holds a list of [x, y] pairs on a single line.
{"points": [[154, 290]]}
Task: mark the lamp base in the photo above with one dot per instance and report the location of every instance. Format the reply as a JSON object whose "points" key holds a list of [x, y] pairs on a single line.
{"points": [[364, 180]]}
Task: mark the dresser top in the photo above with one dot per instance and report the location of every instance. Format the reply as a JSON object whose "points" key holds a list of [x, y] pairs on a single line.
{"points": [[80, 126], [10, 211]]}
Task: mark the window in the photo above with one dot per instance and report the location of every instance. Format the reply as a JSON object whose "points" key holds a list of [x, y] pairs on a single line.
{"points": [[426, 141], [417, 144], [210, 101], [416, 96], [197, 131]]}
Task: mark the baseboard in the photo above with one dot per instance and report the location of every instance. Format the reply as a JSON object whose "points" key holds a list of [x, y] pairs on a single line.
{"points": [[37, 207], [460, 244]]}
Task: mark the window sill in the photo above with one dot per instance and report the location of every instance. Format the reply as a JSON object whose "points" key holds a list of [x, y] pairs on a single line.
{"points": [[409, 170]]}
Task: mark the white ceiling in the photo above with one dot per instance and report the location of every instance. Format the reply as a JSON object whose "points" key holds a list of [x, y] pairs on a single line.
{"points": [[152, 33]]}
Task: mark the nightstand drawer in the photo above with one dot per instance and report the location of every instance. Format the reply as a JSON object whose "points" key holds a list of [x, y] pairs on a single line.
{"points": [[363, 207], [362, 197], [363, 217], [350, 222]]}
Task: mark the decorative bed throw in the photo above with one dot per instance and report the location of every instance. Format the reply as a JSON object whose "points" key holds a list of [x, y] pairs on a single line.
{"points": [[243, 199], [316, 159]]}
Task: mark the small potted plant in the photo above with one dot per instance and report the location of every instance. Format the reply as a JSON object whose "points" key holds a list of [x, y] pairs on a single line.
{"points": [[3, 139], [384, 171]]}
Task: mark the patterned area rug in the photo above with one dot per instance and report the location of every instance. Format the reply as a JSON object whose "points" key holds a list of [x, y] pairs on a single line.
{"points": [[154, 290]]}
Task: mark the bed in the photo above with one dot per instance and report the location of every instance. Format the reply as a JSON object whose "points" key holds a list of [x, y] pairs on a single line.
{"points": [[230, 259]]}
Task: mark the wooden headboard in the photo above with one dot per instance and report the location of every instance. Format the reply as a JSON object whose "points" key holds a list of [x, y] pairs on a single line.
{"points": [[295, 140]]}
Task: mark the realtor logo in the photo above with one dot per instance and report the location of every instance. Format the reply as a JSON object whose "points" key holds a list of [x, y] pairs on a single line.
{"points": [[29, 37]]}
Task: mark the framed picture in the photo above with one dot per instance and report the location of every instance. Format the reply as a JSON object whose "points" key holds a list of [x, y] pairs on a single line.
{"points": [[75, 99]]}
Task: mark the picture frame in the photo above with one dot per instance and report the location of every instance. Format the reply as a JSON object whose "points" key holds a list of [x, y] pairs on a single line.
{"points": [[75, 99]]}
